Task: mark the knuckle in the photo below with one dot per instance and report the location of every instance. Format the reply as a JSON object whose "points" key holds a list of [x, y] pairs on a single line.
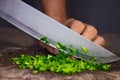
{"points": [[90, 32], [69, 22], [77, 26], [100, 40], [92, 29]]}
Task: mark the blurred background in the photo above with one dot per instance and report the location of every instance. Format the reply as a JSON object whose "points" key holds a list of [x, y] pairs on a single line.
{"points": [[103, 14]]}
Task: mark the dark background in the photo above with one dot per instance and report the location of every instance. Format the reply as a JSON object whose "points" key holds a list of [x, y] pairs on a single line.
{"points": [[103, 14]]}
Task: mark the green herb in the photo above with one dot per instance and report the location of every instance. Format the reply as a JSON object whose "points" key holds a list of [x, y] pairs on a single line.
{"points": [[60, 46], [62, 63], [84, 49], [45, 40], [63, 48]]}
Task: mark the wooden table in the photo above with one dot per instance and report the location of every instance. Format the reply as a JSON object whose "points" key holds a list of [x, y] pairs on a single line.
{"points": [[13, 40]]}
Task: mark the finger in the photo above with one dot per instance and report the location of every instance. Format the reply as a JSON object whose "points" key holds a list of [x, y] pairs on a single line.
{"points": [[99, 40], [76, 25], [69, 22], [90, 32]]}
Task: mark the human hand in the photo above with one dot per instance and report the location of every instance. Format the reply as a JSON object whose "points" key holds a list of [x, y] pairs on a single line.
{"points": [[86, 30]]}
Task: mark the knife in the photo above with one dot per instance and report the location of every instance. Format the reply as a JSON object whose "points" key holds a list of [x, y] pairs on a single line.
{"points": [[37, 24]]}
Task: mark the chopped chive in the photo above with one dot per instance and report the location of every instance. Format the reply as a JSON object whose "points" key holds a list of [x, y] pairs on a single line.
{"points": [[62, 63]]}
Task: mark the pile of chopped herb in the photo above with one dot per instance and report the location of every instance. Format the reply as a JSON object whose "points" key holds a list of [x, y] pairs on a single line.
{"points": [[61, 63]]}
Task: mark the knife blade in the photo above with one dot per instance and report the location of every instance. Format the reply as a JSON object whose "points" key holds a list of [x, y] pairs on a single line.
{"points": [[37, 24]]}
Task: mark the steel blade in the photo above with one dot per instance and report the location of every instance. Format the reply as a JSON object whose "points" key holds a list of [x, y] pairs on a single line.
{"points": [[36, 24]]}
